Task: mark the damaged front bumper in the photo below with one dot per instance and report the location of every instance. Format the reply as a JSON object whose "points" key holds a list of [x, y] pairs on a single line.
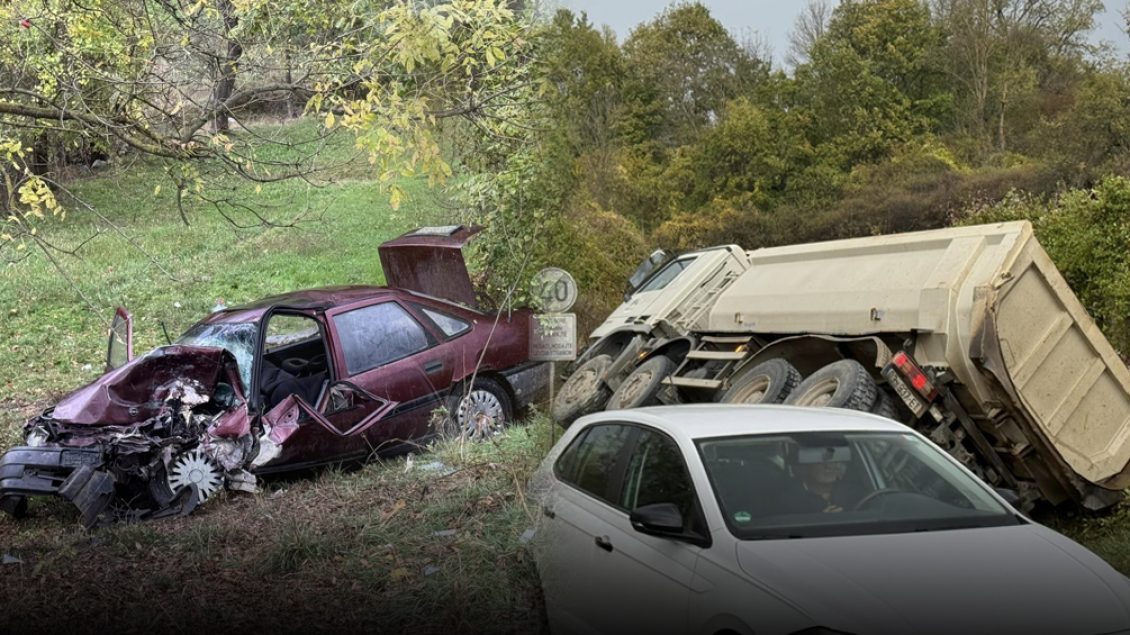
{"points": [[78, 475], [44, 471]]}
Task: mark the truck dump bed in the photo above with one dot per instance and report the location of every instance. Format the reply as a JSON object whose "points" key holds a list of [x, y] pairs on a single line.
{"points": [[984, 302]]}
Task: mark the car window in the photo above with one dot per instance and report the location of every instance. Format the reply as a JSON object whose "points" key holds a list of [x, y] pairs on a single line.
{"points": [[284, 330], [808, 484], [900, 467], [657, 474], [667, 274], [375, 335], [589, 461], [449, 324]]}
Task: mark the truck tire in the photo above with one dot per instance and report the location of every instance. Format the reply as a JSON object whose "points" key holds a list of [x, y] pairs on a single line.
{"points": [[842, 384], [583, 392], [884, 405], [768, 382], [641, 387]]}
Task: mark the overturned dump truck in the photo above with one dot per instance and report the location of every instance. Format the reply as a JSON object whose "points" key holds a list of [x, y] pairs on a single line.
{"points": [[288, 382], [968, 334]]}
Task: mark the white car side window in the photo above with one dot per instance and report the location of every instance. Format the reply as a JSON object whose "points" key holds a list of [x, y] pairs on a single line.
{"points": [[589, 461]]}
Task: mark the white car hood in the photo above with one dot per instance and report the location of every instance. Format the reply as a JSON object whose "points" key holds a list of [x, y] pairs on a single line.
{"points": [[1016, 579]]}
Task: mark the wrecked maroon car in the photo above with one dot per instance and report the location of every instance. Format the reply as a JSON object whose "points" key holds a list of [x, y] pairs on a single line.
{"points": [[292, 381]]}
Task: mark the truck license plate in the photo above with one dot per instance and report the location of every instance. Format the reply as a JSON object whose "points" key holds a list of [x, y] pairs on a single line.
{"points": [[912, 401]]}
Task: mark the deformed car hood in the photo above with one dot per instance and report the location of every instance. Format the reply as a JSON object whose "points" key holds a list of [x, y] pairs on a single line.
{"points": [[1018, 579], [136, 391]]}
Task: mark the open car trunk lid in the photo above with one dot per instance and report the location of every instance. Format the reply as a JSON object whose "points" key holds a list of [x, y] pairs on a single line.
{"points": [[429, 260]]}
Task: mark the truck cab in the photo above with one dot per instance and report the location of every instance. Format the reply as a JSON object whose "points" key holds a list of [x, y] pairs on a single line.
{"points": [[676, 290], [666, 297]]}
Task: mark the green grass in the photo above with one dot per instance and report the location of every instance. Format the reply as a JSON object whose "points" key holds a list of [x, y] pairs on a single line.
{"points": [[53, 329]]}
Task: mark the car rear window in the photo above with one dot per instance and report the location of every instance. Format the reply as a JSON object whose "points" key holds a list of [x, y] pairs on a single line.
{"points": [[449, 324]]}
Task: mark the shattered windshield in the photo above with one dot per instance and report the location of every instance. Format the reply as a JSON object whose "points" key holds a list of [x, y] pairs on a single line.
{"points": [[238, 338], [809, 484]]}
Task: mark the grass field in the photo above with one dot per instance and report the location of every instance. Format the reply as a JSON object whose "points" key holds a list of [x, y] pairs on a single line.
{"points": [[387, 547]]}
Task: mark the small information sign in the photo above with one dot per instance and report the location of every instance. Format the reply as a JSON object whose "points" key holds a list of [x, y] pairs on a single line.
{"points": [[553, 337]]}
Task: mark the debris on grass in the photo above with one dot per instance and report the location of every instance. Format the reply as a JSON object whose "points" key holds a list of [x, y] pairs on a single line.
{"points": [[377, 548]]}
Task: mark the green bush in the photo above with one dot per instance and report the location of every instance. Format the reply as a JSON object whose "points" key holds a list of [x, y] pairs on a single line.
{"points": [[1087, 235]]}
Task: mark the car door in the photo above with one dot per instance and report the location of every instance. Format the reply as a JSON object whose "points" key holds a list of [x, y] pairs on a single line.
{"points": [[585, 477], [609, 577], [647, 577], [383, 349]]}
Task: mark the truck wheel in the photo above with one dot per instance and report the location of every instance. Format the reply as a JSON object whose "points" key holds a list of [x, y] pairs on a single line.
{"points": [[583, 392], [767, 382], [884, 405], [641, 387], [842, 384]]}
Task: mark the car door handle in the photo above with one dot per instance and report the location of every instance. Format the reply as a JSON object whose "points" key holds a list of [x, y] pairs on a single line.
{"points": [[548, 511], [433, 367], [603, 542]]}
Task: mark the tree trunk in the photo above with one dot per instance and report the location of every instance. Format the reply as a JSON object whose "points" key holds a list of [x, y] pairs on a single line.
{"points": [[291, 107], [225, 80]]}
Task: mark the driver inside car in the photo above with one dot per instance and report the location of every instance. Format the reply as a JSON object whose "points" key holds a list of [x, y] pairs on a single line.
{"points": [[821, 472]]}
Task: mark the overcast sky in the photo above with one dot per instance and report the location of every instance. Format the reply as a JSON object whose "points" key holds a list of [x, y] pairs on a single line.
{"points": [[771, 20]]}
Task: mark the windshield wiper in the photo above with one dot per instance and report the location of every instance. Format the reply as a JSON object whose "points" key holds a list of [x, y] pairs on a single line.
{"points": [[952, 527]]}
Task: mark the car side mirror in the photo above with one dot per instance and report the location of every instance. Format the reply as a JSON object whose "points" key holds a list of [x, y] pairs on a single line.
{"points": [[666, 521], [1010, 496], [661, 519]]}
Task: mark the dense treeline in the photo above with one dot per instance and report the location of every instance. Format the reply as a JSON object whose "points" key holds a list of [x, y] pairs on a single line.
{"points": [[899, 115]]}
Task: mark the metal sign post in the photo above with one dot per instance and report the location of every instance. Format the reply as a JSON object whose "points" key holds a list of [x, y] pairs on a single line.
{"points": [[553, 334]]}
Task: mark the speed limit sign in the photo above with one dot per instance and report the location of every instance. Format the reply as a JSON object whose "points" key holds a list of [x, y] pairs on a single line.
{"points": [[554, 290]]}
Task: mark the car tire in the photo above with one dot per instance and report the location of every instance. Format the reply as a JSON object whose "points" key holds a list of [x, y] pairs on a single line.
{"points": [[641, 387], [478, 412], [768, 382], [884, 405], [842, 384], [583, 392]]}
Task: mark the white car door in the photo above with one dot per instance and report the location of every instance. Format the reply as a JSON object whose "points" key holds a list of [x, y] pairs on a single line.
{"points": [[647, 577], [604, 576], [565, 543]]}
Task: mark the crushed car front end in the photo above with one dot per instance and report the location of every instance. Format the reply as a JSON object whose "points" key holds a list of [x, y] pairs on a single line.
{"points": [[153, 438]]}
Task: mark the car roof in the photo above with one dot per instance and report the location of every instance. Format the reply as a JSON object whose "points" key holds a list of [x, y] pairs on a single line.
{"points": [[701, 421], [320, 298]]}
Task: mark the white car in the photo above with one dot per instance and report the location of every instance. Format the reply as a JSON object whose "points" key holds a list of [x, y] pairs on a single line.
{"points": [[775, 519]]}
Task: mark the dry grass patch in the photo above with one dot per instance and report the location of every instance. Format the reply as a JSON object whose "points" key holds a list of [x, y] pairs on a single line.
{"points": [[429, 548]]}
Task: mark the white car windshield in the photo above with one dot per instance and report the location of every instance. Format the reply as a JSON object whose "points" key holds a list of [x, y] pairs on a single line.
{"points": [[809, 484]]}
